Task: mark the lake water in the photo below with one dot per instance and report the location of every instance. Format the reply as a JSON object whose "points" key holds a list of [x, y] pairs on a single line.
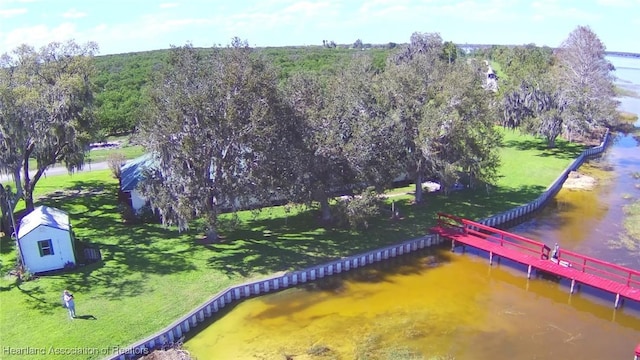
{"points": [[627, 72], [455, 305]]}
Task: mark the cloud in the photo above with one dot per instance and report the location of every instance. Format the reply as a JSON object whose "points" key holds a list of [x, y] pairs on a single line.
{"points": [[8, 13], [308, 8], [383, 8], [620, 3], [421, 11], [153, 31], [38, 35], [552, 10], [268, 20], [73, 14], [168, 5]]}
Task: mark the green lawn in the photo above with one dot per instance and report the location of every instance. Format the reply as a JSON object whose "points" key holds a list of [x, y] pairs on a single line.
{"points": [[152, 275], [100, 155], [129, 152]]}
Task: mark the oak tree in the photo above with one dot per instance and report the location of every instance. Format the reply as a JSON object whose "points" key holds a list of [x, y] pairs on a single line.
{"points": [[46, 111], [214, 125], [408, 86], [345, 136]]}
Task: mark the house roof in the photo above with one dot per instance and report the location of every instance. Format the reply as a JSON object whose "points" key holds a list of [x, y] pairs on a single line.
{"points": [[43, 215], [132, 171]]}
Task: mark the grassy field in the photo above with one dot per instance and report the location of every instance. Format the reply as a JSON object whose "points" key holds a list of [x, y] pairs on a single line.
{"points": [[152, 275], [100, 155], [129, 152]]}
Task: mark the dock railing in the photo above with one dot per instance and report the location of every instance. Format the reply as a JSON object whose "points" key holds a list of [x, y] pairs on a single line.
{"points": [[597, 267], [506, 239], [586, 264]]}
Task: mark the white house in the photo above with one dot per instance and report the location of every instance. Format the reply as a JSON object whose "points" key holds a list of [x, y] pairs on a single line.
{"points": [[131, 175], [45, 240]]}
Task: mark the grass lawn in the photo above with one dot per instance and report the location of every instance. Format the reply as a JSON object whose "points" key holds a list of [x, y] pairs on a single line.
{"points": [[152, 275], [101, 155], [129, 152]]}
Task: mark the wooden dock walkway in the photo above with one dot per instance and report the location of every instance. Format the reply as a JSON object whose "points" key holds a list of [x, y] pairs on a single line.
{"points": [[581, 269], [623, 282]]}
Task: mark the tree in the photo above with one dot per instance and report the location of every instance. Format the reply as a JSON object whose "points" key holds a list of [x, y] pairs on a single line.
{"points": [[445, 115], [457, 136], [322, 168], [46, 111], [585, 82], [119, 83], [536, 109], [421, 43], [529, 90], [408, 85], [214, 125], [570, 92], [449, 52], [345, 140], [358, 44], [520, 64]]}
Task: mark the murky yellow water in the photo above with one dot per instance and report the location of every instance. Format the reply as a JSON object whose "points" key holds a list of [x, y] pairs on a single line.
{"points": [[436, 304], [439, 305]]}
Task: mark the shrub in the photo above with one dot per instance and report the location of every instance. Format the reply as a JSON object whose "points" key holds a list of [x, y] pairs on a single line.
{"points": [[129, 216], [357, 210], [115, 161]]}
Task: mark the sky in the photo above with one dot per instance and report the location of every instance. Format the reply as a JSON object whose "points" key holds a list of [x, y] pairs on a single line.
{"points": [[121, 26]]}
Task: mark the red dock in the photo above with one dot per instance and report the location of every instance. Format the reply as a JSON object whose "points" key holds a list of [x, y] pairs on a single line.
{"points": [[581, 269]]}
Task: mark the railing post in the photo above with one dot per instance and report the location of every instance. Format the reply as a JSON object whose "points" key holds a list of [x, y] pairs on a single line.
{"points": [[584, 264]]}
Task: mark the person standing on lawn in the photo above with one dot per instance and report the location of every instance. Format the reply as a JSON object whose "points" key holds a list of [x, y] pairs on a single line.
{"points": [[69, 303]]}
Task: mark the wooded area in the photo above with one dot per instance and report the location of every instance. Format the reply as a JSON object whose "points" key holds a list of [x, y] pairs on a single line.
{"points": [[234, 126]]}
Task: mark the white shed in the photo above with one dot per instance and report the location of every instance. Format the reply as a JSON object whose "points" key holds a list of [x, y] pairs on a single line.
{"points": [[45, 240]]}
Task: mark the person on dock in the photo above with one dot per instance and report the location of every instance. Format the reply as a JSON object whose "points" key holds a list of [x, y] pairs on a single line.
{"points": [[556, 251]]}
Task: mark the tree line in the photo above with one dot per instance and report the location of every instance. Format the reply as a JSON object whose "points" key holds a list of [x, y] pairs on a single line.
{"points": [[227, 128], [226, 132], [550, 93]]}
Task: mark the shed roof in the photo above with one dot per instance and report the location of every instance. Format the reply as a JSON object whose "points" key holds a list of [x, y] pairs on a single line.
{"points": [[132, 171], [43, 215]]}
